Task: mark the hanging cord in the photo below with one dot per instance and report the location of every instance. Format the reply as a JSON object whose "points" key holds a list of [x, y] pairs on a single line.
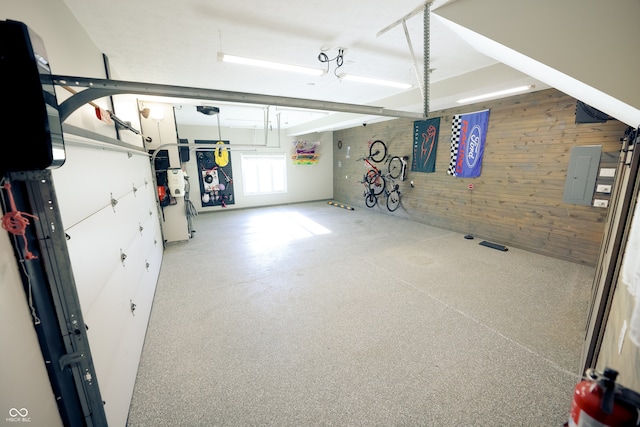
{"points": [[322, 57], [36, 319], [15, 224], [191, 209]]}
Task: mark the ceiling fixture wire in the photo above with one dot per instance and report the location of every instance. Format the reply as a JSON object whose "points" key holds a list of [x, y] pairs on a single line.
{"points": [[322, 57]]}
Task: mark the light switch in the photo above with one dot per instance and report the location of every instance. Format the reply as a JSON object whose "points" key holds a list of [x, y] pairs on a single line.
{"points": [[601, 188], [599, 203]]}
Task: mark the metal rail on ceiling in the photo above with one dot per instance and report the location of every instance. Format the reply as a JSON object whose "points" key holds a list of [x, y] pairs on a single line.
{"points": [[423, 80], [99, 88]]}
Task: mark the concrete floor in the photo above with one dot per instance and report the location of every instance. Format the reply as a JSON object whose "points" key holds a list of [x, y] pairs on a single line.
{"points": [[310, 314]]}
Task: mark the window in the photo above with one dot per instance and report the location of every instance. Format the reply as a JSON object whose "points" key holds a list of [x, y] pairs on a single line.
{"points": [[264, 173]]}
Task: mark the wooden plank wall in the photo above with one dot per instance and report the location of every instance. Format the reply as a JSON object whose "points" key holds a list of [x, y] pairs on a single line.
{"points": [[517, 200]]}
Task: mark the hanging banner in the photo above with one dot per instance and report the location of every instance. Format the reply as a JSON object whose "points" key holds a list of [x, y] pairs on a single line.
{"points": [[425, 145], [468, 132]]}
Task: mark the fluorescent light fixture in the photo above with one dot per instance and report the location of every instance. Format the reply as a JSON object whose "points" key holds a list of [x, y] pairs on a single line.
{"points": [[351, 77], [268, 64], [495, 94]]}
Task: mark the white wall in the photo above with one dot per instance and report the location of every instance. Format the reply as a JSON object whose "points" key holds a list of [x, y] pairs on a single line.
{"points": [[304, 182], [23, 377], [592, 58], [92, 176], [162, 135]]}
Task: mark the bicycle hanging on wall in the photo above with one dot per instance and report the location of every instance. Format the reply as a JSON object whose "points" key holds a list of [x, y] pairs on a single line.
{"points": [[373, 180], [398, 167], [376, 183], [393, 195]]}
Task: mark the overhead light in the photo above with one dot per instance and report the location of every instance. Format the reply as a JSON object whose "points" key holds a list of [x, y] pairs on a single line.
{"points": [[495, 94], [268, 64], [360, 79]]}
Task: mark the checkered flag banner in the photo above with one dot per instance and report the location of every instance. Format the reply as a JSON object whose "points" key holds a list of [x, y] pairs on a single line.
{"points": [[468, 134], [456, 124]]}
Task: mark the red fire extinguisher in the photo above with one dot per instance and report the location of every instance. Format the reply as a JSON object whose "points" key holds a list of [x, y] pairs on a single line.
{"points": [[599, 402]]}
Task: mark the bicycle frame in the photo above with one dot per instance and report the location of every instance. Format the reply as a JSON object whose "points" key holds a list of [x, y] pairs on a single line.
{"points": [[370, 198], [373, 180], [398, 167], [373, 176], [393, 195]]}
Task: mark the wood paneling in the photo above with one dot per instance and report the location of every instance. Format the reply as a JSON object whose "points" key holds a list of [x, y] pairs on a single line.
{"points": [[517, 200]]}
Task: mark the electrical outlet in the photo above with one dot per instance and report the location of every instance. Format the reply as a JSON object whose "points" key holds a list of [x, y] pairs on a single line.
{"points": [[600, 203], [601, 188], [610, 172]]}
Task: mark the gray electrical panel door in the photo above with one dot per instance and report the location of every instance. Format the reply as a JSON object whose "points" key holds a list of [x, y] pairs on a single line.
{"points": [[582, 174]]}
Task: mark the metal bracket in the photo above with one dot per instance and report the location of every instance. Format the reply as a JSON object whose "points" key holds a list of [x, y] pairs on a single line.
{"points": [[628, 154], [70, 358]]}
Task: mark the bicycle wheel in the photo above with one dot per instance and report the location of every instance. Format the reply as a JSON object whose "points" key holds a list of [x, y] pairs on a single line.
{"points": [[376, 182], [395, 167], [393, 200], [370, 199], [377, 151]]}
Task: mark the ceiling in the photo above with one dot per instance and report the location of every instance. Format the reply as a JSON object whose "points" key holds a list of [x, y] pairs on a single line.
{"points": [[178, 43]]}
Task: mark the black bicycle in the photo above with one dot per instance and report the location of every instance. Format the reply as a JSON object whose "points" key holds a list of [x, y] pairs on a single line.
{"points": [[392, 195], [370, 195], [373, 180], [377, 151]]}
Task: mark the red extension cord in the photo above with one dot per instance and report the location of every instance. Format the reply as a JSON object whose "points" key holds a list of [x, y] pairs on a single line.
{"points": [[15, 223]]}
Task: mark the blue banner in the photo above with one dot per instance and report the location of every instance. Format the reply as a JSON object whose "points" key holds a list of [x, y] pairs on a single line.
{"points": [[468, 133]]}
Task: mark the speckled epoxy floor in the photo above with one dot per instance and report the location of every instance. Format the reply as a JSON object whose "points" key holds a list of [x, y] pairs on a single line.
{"points": [[309, 314]]}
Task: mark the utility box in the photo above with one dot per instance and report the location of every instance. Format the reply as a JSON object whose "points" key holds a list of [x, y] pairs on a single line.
{"points": [[582, 174]]}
